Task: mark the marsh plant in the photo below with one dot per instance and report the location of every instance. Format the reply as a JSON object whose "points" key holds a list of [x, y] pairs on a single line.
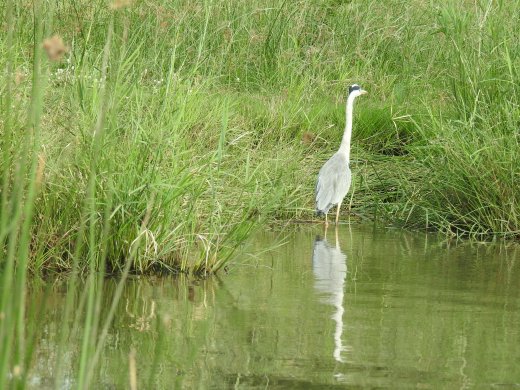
{"points": [[142, 136]]}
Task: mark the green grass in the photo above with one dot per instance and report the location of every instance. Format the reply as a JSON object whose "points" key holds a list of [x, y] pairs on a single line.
{"points": [[171, 129], [204, 108]]}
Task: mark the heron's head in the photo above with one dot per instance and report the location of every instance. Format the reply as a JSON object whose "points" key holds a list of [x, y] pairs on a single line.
{"points": [[355, 90]]}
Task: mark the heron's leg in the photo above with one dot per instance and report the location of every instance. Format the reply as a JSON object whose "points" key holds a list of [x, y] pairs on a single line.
{"points": [[326, 220], [337, 212]]}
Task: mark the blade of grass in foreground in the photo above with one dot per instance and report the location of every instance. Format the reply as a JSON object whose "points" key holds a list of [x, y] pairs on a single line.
{"points": [[19, 204]]}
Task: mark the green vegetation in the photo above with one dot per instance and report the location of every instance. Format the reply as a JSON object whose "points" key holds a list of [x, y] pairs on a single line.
{"points": [[165, 131], [169, 129]]}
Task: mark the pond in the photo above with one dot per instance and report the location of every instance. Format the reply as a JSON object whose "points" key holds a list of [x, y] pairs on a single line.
{"points": [[366, 308]]}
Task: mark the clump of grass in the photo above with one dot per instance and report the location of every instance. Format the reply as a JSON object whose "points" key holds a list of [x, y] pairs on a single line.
{"points": [[468, 143], [200, 96], [161, 134]]}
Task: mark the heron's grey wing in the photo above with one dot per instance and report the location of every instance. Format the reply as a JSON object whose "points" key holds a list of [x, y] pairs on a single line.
{"points": [[333, 183]]}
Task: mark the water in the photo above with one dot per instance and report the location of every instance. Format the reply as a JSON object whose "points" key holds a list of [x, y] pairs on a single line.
{"points": [[376, 309]]}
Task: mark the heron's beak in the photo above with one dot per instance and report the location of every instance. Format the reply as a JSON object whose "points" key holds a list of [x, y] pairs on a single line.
{"points": [[363, 92]]}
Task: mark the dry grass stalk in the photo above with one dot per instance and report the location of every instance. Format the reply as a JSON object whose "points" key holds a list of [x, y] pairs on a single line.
{"points": [[55, 48], [40, 169], [17, 371], [308, 138], [118, 4], [19, 77]]}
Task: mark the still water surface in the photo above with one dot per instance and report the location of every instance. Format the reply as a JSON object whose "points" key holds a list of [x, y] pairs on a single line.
{"points": [[376, 308]]}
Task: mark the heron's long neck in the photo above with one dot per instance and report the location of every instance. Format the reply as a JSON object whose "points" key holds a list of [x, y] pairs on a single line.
{"points": [[344, 148]]}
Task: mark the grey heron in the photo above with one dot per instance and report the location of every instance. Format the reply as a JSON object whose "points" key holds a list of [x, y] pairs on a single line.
{"points": [[334, 177]]}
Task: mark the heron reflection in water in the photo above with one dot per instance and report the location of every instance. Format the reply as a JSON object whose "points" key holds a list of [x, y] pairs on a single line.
{"points": [[329, 265]]}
